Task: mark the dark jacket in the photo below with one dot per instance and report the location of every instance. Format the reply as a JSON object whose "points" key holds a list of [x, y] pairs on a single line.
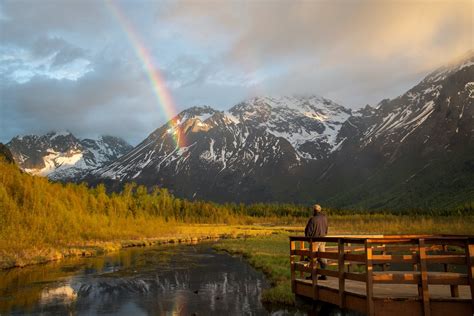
{"points": [[317, 226]]}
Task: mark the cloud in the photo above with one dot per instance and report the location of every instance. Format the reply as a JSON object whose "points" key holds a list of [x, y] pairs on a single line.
{"points": [[334, 30], [113, 99], [69, 64], [62, 51], [23, 20], [331, 41]]}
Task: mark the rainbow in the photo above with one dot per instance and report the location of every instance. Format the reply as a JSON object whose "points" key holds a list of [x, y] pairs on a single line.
{"points": [[157, 81]]}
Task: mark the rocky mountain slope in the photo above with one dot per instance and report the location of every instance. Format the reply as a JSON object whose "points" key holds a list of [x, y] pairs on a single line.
{"points": [[62, 156], [6, 154], [416, 150]]}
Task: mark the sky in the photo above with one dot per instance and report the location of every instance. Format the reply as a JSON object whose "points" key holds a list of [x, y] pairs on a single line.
{"points": [[79, 65]]}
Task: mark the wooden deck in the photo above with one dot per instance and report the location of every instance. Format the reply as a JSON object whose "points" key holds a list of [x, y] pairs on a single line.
{"points": [[388, 275]]}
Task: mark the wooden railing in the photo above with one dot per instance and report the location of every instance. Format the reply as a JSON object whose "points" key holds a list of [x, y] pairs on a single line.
{"points": [[412, 259]]}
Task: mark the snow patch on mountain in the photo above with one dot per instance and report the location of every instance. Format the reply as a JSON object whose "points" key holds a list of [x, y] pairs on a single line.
{"points": [[58, 161], [469, 87], [311, 124], [62, 156], [58, 134]]}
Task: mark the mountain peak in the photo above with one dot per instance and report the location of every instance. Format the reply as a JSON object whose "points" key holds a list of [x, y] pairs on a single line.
{"points": [[201, 113], [310, 123], [299, 103], [197, 110]]}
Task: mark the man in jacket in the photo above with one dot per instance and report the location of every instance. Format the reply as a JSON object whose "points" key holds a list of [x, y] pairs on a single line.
{"points": [[318, 227]]}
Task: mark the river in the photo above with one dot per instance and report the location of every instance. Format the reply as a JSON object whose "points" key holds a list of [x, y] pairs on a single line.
{"points": [[162, 280]]}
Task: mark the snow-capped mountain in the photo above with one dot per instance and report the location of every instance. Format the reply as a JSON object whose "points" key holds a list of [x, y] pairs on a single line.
{"points": [[302, 149], [217, 154], [62, 156], [398, 119], [311, 124], [251, 135], [417, 149]]}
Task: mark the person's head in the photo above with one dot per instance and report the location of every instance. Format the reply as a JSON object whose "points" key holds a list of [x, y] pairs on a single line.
{"points": [[316, 209]]}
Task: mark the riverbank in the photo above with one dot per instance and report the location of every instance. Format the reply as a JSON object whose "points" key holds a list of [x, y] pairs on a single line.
{"points": [[269, 254], [20, 251], [21, 257]]}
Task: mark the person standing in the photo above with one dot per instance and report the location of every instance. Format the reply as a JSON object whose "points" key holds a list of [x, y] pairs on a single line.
{"points": [[317, 226]]}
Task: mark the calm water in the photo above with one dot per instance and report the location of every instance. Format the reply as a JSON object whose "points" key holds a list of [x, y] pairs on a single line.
{"points": [[166, 280]]}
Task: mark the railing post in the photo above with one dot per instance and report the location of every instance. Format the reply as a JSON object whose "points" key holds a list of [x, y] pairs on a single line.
{"points": [[349, 265], [369, 279], [454, 288], [340, 249], [302, 258], [314, 269], [292, 265], [470, 267], [384, 252], [425, 295]]}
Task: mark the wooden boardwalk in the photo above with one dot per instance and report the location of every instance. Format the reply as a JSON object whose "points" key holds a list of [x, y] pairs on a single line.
{"points": [[387, 275]]}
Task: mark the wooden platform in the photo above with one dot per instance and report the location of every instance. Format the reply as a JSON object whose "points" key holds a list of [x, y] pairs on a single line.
{"points": [[388, 291]]}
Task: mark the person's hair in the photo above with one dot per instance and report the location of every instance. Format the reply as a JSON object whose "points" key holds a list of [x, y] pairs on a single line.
{"points": [[316, 208]]}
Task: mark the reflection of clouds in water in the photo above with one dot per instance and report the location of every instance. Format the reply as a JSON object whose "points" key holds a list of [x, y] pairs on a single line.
{"points": [[192, 279], [64, 294]]}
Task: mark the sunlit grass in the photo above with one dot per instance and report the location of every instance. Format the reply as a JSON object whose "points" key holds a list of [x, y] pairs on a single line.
{"points": [[400, 224], [138, 234]]}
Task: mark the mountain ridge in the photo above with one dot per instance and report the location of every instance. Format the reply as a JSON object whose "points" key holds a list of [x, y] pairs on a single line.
{"points": [[62, 156]]}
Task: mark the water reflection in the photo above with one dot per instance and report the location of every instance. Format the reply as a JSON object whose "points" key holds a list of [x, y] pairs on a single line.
{"points": [[59, 295], [169, 280]]}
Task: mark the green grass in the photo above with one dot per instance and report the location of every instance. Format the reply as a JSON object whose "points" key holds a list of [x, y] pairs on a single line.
{"points": [[269, 254]]}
